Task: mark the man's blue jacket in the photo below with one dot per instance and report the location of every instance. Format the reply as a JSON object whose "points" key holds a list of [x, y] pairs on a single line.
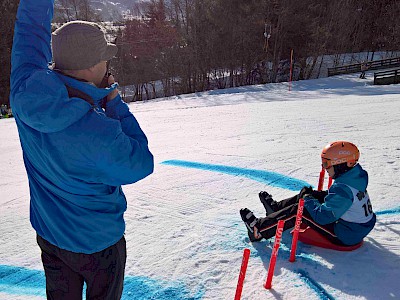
{"points": [[76, 155]]}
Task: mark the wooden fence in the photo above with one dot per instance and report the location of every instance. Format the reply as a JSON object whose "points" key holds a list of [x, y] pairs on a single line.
{"points": [[387, 77], [373, 65]]}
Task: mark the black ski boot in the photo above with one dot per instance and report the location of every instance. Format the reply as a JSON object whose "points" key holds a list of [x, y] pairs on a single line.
{"points": [[250, 221], [268, 203]]}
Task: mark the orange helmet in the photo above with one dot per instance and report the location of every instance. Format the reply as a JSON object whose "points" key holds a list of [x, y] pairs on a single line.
{"points": [[339, 152]]}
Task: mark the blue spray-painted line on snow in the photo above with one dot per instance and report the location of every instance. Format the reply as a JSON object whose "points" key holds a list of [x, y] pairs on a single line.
{"points": [[267, 177], [22, 281], [324, 295], [26, 282], [393, 211]]}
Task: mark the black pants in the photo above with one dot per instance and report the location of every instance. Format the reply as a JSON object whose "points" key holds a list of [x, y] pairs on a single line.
{"points": [[287, 210], [103, 272]]}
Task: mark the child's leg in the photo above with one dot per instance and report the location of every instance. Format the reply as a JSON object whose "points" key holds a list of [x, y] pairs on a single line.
{"points": [[272, 206], [287, 202], [326, 230], [267, 226]]}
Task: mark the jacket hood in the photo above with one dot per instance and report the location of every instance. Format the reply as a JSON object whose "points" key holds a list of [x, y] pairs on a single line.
{"points": [[356, 177], [43, 102]]}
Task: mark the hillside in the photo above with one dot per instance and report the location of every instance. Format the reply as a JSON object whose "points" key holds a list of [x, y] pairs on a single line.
{"points": [[109, 10], [214, 152]]}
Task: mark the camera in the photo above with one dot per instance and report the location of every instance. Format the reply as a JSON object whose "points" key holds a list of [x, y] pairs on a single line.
{"points": [[104, 82]]}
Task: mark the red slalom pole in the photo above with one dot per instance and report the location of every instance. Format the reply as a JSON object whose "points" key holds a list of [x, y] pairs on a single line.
{"points": [[242, 274], [272, 261], [299, 216], [321, 179], [329, 182]]}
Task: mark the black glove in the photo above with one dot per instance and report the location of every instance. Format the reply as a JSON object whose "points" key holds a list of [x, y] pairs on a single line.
{"points": [[307, 190], [319, 195]]}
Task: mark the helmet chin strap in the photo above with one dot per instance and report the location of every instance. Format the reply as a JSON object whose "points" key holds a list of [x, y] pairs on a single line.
{"points": [[340, 169]]}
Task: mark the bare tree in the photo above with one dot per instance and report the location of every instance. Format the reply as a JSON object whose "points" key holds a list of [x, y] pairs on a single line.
{"points": [[70, 10], [144, 44], [8, 9]]}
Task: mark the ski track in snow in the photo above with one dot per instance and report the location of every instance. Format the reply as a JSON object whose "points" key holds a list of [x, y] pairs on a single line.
{"points": [[184, 235]]}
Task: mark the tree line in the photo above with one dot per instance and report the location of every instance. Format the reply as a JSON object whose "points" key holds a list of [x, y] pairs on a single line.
{"points": [[172, 47]]}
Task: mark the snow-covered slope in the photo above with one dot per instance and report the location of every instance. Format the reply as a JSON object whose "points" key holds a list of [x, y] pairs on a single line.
{"points": [[214, 152], [110, 10]]}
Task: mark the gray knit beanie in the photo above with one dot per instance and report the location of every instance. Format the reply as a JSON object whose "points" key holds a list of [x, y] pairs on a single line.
{"points": [[79, 45]]}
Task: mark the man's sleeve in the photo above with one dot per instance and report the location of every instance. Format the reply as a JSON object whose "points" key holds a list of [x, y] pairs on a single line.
{"points": [[127, 157], [32, 35], [119, 110]]}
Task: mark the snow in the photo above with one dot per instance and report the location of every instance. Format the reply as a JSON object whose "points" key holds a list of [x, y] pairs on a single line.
{"points": [[214, 152]]}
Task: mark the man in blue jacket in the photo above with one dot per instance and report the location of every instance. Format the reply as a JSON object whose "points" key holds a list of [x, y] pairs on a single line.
{"points": [[77, 154], [343, 214]]}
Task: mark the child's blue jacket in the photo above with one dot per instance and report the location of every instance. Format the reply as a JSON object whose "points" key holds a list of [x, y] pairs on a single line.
{"points": [[338, 202], [76, 156]]}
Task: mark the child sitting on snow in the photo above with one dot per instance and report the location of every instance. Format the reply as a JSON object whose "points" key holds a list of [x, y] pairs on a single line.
{"points": [[343, 214]]}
